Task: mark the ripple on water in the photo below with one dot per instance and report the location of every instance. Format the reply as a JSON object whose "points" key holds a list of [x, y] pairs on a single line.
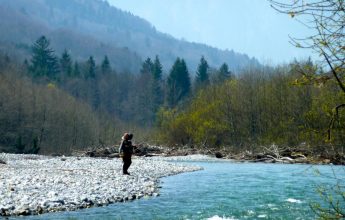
{"points": [[291, 200], [216, 217]]}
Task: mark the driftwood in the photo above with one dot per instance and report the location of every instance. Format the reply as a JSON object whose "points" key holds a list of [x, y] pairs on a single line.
{"points": [[274, 154], [271, 154], [112, 151]]}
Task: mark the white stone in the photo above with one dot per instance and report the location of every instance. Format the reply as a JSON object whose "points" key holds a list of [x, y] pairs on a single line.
{"points": [[49, 184]]}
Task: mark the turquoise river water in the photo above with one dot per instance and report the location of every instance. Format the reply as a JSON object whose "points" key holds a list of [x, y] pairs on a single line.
{"points": [[225, 190]]}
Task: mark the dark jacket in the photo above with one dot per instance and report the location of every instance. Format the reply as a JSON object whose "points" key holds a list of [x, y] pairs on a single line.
{"points": [[126, 147]]}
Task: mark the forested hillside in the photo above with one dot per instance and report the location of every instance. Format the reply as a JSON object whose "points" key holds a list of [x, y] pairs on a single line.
{"points": [[259, 108], [53, 103], [77, 87], [93, 27]]}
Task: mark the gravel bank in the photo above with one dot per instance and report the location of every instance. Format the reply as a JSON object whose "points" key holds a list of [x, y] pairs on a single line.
{"points": [[31, 184]]}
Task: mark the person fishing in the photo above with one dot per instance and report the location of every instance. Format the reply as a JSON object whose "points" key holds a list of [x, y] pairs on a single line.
{"points": [[126, 150]]}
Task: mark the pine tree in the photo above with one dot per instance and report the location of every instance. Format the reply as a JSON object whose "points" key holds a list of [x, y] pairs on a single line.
{"points": [[157, 87], [76, 70], [90, 68], [202, 78], [43, 61], [157, 69], [223, 73], [178, 83], [106, 68], [151, 94], [147, 67], [66, 64], [145, 100]]}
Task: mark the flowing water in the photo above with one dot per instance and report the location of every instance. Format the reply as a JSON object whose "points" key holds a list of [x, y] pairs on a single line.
{"points": [[225, 190]]}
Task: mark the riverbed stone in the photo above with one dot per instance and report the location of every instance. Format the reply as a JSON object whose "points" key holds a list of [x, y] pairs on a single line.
{"points": [[33, 184]]}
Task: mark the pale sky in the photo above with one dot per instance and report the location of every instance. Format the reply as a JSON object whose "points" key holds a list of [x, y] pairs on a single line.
{"points": [[246, 26]]}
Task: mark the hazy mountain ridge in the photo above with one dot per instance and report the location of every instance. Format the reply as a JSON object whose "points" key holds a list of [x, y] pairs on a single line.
{"points": [[93, 27]]}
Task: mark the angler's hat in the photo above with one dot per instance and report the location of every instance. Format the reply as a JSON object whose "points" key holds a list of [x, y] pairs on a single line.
{"points": [[130, 136], [125, 136]]}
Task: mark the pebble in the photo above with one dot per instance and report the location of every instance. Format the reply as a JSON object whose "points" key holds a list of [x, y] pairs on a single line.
{"points": [[35, 184]]}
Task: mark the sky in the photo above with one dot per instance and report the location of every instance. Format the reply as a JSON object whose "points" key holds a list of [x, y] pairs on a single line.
{"points": [[246, 26]]}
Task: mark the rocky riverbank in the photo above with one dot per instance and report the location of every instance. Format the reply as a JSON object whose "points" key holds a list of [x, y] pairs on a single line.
{"points": [[31, 184]]}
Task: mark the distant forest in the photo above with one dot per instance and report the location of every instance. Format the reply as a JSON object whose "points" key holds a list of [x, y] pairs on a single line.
{"points": [[52, 103], [94, 27]]}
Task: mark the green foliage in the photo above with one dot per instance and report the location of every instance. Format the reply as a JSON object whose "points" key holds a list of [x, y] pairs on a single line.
{"points": [[157, 69], [76, 70], [43, 118], [66, 64], [260, 107], [90, 72], [149, 89], [173, 125], [202, 75], [105, 67], [333, 204], [223, 73], [147, 67], [178, 83], [157, 87], [43, 62]]}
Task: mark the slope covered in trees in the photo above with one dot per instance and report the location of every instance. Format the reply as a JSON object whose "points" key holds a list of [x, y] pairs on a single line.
{"points": [[94, 27], [57, 104], [258, 108], [42, 117]]}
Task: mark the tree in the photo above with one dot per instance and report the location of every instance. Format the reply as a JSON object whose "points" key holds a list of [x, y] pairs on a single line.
{"points": [[202, 78], [43, 61], [157, 69], [223, 73], [144, 98], [105, 67], [90, 68], [149, 91], [326, 19], [147, 67], [66, 64], [76, 70], [157, 86], [178, 83]]}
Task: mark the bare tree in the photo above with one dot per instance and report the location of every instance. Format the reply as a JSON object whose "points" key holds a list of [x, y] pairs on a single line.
{"points": [[326, 18]]}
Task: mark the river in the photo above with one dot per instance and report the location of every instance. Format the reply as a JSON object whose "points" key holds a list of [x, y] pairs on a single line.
{"points": [[225, 190]]}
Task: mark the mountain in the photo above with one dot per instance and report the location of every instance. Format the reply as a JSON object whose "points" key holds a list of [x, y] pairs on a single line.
{"points": [[93, 27]]}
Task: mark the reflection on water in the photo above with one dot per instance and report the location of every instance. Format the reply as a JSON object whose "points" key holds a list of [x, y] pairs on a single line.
{"points": [[224, 190]]}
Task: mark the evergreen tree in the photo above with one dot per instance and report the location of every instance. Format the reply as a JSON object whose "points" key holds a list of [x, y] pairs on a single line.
{"points": [[76, 70], [43, 61], [145, 98], [106, 68], [178, 83], [147, 67], [157, 69], [223, 73], [149, 87], [26, 65], [66, 64], [202, 78], [157, 87], [90, 68]]}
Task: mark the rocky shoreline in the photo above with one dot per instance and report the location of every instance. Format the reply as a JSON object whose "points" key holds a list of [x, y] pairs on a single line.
{"points": [[33, 184]]}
